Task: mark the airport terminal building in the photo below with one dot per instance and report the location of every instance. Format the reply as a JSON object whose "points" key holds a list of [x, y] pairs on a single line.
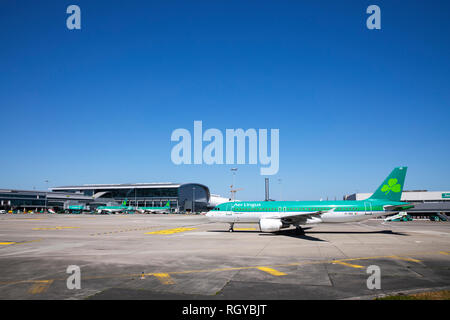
{"points": [[183, 197], [25, 200]]}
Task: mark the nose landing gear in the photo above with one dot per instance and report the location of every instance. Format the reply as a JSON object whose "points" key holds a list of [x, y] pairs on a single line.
{"points": [[231, 227]]}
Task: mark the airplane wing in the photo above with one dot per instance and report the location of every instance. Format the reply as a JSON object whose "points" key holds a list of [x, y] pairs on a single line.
{"points": [[298, 217]]}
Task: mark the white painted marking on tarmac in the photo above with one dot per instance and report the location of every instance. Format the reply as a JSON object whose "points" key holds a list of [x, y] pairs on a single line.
{"points": [[200, 233], [439, 233]]}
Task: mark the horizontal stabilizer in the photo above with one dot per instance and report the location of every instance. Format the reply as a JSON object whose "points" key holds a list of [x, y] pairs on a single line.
{"points": [[400, 207]]}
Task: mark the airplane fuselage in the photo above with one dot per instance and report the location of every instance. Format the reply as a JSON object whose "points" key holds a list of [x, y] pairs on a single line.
{"points": [[329, 211], [113, 209], [152, 209]]}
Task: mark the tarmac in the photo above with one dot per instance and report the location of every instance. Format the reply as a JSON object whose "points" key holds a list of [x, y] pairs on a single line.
{"points": [[158, 256]]}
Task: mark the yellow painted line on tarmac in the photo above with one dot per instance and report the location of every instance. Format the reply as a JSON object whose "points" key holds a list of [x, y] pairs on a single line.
{"points": [[272, 271], [123, 230], [164, 278], [40, 286], [23, 219], [15, 243], [211, 270], [444, 252], [30, 241], [244, 229], [171, 231], [347, 264], [55, 228], [405, 259]]}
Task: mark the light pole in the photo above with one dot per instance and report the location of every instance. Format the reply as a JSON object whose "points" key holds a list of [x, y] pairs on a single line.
{"points": [[193, 199], [233, 170], [46, 196]]}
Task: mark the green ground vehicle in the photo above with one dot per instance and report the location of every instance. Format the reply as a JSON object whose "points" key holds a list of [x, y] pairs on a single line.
{"points": [[438, 217], [404, 218], [75, 209]]}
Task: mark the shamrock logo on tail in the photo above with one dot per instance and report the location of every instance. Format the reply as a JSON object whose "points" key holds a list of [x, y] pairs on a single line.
{"points": [[391, 186]]}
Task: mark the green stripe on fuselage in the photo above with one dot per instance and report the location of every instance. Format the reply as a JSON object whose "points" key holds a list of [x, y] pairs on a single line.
{"points": [[306, 206]]}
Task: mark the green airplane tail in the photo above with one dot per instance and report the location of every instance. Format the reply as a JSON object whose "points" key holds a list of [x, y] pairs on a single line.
{"points": [[124, 202], [392, 187], [167, 204]]}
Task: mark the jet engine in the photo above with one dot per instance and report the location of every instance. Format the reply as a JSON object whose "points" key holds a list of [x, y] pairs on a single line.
{"points": [[270, 225]]}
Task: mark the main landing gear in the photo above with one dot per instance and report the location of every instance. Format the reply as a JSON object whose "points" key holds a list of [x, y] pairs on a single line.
{"points": [[231, 227], [299, 230]]}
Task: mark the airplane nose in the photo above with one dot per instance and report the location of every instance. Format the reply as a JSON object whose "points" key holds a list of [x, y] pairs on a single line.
{"points": [[210, 215]]}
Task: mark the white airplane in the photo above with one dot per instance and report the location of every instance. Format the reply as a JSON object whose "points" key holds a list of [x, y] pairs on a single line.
{"points": [[275, 215], [165, 209], [114, 209]]}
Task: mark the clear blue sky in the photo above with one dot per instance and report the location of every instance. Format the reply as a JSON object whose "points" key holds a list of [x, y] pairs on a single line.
{"points": [[99, 105]]}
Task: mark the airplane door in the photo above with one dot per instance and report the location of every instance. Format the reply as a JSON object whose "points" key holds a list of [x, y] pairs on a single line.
{"points": [[234, 213], [281, 210], [368, 208], [229, 209]]}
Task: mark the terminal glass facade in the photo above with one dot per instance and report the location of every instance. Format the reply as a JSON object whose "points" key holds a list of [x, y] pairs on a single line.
{"points": [[183, 197]]}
